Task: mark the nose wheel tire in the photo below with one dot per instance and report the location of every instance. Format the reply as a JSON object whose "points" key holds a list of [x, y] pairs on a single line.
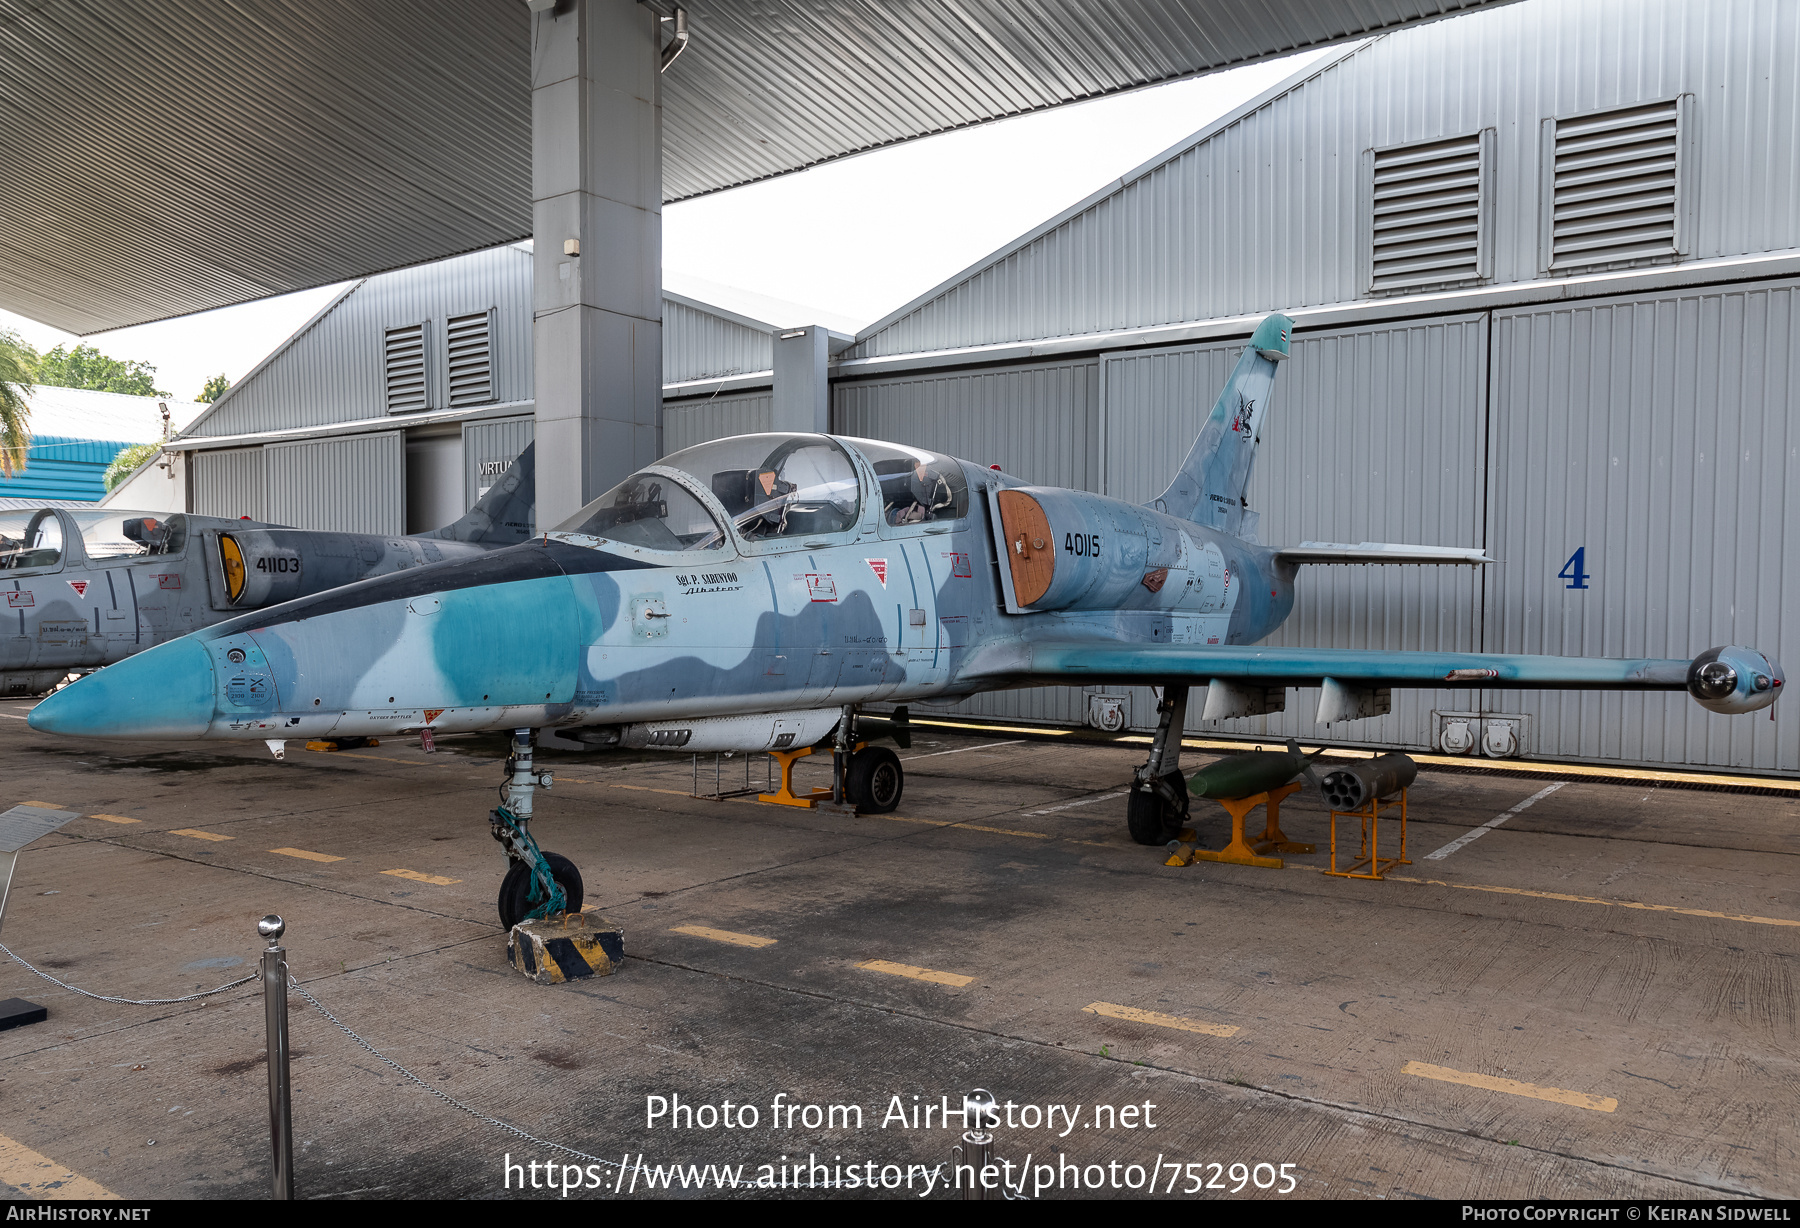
{"points": [[1149, 818], [515, 888], [875, 780]]}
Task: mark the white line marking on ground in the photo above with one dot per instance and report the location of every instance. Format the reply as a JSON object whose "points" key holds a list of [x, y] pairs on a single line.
{"points": [[1492, 823], [14, 715], [1086, 801], [959, 750]]}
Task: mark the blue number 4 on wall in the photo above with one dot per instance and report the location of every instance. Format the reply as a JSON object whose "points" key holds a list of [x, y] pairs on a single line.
{"points": [[1573, 569]]}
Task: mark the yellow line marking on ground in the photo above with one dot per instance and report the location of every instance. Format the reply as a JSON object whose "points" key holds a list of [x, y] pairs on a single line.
{"points": [[736, 940], [39, 1176], [917, 974], [1036, 729], [114, 818], [46, 805], [436, 880], [1133, 1015], [1499, 765], [305, 855], [647, 789], [197, 834], [1512, 1087], [1589, 899]]}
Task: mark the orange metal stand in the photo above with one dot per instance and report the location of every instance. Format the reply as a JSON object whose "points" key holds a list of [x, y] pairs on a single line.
{"points": [[1242, 852], [785, 795], [1369, 863]]}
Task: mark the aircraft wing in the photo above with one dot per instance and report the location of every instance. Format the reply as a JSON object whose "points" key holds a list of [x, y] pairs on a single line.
{"points": [[1053, 663]]}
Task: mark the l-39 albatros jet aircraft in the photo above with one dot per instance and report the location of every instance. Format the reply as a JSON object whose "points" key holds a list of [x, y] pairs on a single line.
{"points": [[84, 587], [748, 594]]}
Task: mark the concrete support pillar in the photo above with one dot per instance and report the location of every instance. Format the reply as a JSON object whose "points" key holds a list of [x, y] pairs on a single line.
{"points": [[802, 383], [596, 199]]}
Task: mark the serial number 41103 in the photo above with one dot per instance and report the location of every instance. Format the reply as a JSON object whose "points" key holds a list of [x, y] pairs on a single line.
{"points": [[278, 564]]}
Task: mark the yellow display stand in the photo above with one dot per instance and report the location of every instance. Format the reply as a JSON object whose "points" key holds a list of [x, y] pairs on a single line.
{"points": [[1244, 852], [1369, 863]]}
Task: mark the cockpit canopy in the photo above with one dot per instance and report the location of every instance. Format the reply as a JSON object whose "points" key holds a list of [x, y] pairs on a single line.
{"points": [[773, 487], [34, 537]]}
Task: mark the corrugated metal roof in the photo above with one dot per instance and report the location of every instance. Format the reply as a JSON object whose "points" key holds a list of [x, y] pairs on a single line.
{"points": [[166, 156]]}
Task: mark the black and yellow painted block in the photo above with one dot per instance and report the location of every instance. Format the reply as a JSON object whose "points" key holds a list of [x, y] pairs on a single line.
{"points": [[565, 947]]}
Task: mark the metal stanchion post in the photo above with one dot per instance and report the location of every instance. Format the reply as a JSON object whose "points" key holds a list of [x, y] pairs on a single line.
{"points": [[976, 1151], [275, 1003]]}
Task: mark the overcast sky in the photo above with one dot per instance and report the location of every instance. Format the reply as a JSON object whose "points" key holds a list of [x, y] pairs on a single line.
{"points": [[855, 238]]}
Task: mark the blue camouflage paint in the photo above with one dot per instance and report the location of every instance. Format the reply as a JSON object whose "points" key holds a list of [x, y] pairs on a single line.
{"points": [[568, 630]]}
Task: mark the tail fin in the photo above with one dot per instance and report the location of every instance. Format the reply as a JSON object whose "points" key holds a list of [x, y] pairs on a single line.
{"points": [[504, 516], [1209, 489]]}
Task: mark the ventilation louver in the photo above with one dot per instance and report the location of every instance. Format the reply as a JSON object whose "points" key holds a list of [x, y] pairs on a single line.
{"points": [[404, 364], [1613, 186], [1426, 214], [471, 359]]}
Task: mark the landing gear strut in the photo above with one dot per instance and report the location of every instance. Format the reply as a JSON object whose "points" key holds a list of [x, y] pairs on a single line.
{"points": [[1157, 808], [537, 884], [866, 778]]}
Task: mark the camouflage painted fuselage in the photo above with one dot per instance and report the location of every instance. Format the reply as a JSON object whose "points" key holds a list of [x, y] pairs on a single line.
{"points": [[572, 631]]}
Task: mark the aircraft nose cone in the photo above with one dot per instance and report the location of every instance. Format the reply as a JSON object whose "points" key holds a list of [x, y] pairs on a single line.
{"points": [[166, 692]]}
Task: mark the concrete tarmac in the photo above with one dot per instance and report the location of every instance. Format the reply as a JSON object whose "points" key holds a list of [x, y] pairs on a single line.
{"points": [[1594, 999]]}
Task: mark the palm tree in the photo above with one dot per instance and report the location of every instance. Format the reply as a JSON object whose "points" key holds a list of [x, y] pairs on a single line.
{"points": [[18, 371]]}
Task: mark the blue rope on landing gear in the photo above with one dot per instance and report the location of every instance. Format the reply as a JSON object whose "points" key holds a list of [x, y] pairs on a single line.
{"points": [[546, 895]]}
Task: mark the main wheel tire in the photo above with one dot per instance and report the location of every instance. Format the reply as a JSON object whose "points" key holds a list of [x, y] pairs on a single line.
{"points": [[1150, 819], [515, 888], [875, 781]]}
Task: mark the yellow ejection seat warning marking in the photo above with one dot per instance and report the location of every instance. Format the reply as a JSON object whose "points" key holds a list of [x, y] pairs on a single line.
{"points": [[114, 818], [39, 1176], [196, 834], [436, 880], [917, 974], [736, 940], [1512, 1087], [305, 855], [1133, 1015]]}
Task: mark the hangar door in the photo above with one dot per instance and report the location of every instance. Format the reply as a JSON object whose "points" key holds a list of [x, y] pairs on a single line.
{"points": [[1373, 434], [1038, 422], [355, 483], [1645, 491], [686, 423], [228, 482]]}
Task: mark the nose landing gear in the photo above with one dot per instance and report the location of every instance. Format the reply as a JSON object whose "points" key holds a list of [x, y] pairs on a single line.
{"points": [[537, 884]]}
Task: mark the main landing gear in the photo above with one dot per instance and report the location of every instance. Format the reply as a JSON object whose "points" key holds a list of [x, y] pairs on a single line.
{"points": [[1156, 810], [537, 884], [868, 778]]}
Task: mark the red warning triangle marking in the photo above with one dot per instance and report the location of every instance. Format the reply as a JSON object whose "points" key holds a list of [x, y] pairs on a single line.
{"points": [[879, 567], [80, 587]]}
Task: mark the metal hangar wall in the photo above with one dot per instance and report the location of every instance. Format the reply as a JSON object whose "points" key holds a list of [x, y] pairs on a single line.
{"points": [[1543, 265]]}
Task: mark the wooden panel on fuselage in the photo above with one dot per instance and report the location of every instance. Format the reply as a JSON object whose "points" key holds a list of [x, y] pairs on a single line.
{"points": [[1029, 545]]}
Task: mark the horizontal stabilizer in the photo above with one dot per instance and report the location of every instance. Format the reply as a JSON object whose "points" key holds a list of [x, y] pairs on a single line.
{"points": [[1380, 552]]}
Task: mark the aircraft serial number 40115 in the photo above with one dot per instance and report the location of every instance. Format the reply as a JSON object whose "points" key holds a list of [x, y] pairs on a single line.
{"points": [[748, 594]]}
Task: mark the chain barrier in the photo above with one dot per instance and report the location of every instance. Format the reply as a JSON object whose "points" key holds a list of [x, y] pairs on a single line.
{"points": [[100, 997], [448, 1099]]}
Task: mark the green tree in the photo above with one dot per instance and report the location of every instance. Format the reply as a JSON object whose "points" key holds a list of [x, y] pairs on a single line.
{"points": [[214, 389], [127, 462], [18, 375], [86, 367]]}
